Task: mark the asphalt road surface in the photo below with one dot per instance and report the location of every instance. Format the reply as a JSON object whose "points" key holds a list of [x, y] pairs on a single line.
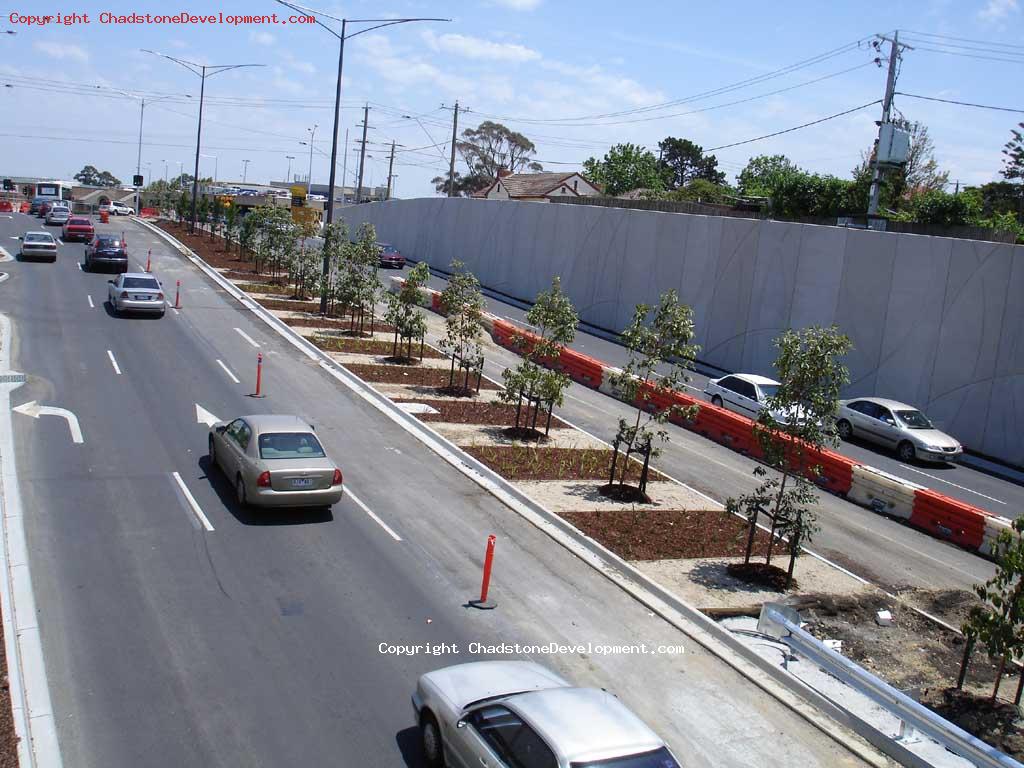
{"points": [[182, 630]]}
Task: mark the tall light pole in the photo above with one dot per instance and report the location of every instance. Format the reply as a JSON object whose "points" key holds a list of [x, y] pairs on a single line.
{"points": [[309, 176], [342, 37], [215, 161], [245, 169], [180, 172], [202, 71], [165, 171], [288, 176]]}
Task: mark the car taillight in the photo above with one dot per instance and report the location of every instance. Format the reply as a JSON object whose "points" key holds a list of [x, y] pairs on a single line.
{"points": [[263, 481], [336, 480], [124, 294]]}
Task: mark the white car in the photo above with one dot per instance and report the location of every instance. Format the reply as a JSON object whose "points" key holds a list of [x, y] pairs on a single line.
{"points": [[744, 393], [895, 425], [120, 209]]}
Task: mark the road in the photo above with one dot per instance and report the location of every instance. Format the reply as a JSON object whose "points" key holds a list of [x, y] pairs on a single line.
{"points": [[255, 640], [884, 551]]}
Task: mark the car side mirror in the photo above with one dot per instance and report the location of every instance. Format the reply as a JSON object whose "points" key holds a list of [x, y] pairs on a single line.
{"points": [[110, 281], [460, 724], [220, 430]]}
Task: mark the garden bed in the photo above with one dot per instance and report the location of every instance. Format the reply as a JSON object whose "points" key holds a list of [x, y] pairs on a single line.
{"points": [[367, 346], [467, 412], [526, 463], [403, 374], [668, 534]]}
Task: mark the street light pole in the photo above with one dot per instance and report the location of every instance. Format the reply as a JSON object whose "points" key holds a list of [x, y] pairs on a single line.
{"points": [[309, 176], [202, 71], [245, 169], [342, 37], [288, 176]]}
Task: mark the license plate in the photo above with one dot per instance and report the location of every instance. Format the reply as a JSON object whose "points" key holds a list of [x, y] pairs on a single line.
{"points": [[302, 482], [142, 298]]}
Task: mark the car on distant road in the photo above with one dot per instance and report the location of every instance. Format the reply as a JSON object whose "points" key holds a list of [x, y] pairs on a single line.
{"points": [[106, 250], [37, 202], [78, 228], [895, 425], [38, 245], [744, 393], [120, 209], [275, 461], [514, 714], [390, 256], [58, 214], [44, 208], [6, 206], [136, 292]]}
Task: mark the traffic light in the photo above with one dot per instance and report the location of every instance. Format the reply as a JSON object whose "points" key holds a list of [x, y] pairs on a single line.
{"points": [[8, 185], [137, 180]]}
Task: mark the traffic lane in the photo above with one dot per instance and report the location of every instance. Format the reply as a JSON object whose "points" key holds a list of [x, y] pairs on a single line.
{"points": [[443, 519], [993, 494]]}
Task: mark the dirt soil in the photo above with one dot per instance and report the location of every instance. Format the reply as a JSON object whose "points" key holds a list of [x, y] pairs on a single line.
{"points": [[528, 463], [8, 739], [211, 251], [402, 374], [364, 346], [763, 574], [668, 534], [999, 725], [463, 412]]}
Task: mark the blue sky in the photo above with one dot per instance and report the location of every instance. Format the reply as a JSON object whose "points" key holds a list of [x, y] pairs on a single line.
{"points": [[536, 65]]}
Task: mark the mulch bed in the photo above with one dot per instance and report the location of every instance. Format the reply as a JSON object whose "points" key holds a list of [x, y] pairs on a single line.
{"points": [[761, 574], [281, 290], [365, 346], [289, 305], [465, 412], [667, 534], [401, 374], [8, 738], [211, 251], [527, 463]]}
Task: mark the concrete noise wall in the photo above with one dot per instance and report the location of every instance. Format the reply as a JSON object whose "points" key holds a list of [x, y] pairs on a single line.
{"points": [[935, 322]]}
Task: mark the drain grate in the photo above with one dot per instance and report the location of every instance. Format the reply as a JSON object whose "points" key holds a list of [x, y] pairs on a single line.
{"points": [[12, 378]]}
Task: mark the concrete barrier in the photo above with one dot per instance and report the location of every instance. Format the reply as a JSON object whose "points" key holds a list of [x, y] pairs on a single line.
{"points": [[882, 492]]}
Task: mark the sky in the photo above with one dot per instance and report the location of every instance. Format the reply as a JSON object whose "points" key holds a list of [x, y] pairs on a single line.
{"points": [[574, 77]]}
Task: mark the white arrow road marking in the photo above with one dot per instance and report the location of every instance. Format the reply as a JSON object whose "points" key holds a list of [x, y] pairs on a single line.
{"points": [[246, 336], [203, 416], [369, 511], [4, 255], [113, 362], [33, 409], [228, 372], [196, 509]]}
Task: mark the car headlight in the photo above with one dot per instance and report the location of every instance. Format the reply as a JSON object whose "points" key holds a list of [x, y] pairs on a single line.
{"points": [[933, 448]]}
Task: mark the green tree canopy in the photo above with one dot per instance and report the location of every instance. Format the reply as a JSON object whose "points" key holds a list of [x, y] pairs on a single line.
{"points": [[1013, 156], [91, 176], [487, 149], [625, 167], [758, 176], [684, 162]]}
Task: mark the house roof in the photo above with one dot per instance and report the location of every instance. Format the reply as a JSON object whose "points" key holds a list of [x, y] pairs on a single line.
{"points": [[529, 184]]}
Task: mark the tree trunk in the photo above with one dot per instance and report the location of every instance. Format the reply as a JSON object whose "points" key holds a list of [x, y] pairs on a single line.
{"points": [[750, 539], [965, 661], [999, 679]]}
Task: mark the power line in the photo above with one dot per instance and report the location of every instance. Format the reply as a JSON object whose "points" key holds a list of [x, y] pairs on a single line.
{"points": [[966, 39], [796, 127], [958, 103], [968, 55]]}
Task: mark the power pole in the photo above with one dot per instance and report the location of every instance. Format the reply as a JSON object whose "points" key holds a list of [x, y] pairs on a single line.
{"points": [[362, 154], [451, 164], [391, 167], [890, 87]]}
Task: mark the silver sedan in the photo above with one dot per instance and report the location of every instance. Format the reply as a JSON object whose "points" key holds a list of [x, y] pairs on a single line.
{"points": [[136, 292], [275, 461], [515, 713], [895, 425], [39, 245]]}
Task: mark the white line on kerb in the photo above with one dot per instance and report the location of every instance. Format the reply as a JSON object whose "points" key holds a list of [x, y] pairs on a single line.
{"points": [[61, 241], [246, 336], [196, 509], [369, 511], [91, 305], [113, 362], [228, 372], [962, 488]]}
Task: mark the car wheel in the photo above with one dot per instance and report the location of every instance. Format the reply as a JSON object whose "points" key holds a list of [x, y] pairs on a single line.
{"points": [[240, 491], [905, 451], [430, 735], [844, 429], [211, 451], [716, 401]]}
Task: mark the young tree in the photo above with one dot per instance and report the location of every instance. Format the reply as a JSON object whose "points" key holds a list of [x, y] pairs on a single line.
{"points": [[662, 343], [277, 239], [335, 248], [203, 210], [216, 212], [305, 261], [554, 322], [248, 233], [231, 225], [683, 162], [797, 419], [625, 167], [182, 207], [463, 306], [403, 311], [1013, 156], [999, 622], [359, 288]]}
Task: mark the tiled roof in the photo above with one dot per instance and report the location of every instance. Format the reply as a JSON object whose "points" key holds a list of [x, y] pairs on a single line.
{"points": [[533, 184]]}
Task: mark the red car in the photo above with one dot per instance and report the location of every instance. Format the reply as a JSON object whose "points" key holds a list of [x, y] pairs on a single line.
{"points": [[390, 257], [6, 206], [78, 228]]}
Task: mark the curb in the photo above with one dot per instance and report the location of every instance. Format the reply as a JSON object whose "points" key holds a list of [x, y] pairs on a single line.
{"points": [[34, 721], [815, 708]]}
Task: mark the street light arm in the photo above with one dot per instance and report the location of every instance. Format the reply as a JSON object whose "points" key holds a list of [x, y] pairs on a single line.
{"points": [[216, 70], [191, 66], [316, 14], [382, 25]]}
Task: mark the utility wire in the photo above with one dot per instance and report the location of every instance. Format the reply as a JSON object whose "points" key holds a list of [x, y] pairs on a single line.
{"points": [[796, 127], [965, 39], [968, 55], [958, 103]]}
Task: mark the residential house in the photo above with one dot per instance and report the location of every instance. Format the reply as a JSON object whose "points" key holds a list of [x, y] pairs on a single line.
{"points": [[537, 187]]}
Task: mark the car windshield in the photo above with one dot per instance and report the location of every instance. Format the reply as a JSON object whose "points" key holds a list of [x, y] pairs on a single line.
{"points": [[914, 419], [659, 758], [38, 238], [769, 390], [388, 249], [290, 445], [141, 282]]}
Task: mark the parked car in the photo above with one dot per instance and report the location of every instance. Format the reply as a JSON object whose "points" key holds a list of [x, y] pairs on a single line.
{"points": [[136, 292], [120, 209], [895, 425], [78, 228], [390, 257], [106, 250], [275, 461], [744, 393], [58, 214], [38, 245], [508, 714]]}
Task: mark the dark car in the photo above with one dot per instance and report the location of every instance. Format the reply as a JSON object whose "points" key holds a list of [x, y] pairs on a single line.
{"points": [[390, 257], [107, 251]]}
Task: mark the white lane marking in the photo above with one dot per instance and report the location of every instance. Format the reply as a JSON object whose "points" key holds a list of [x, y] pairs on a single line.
{"points": [[246, 336], [61, 241], [113, 362], [79, 265], [203, 416], [33, 409], [962, 488], [91, 305], [15, 237], [196, 509], [5, 255], [172, 308], [228, 372], [369, 511]]}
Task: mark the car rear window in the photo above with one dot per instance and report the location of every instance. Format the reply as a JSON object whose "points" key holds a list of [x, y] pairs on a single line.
{"points": [[659, 758], [141, 282], [79, 222], [40, 238], [290, 445], [109, 242]]}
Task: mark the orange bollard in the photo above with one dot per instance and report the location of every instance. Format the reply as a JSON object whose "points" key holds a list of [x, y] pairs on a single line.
{"points": [[483, 602], [259, 376], [149, 258], [177, 295]]}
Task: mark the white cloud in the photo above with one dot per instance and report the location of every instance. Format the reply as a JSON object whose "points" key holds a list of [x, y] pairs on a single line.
{"points": [[615, 87], [175, 43], [399, 69], [995, 10], [62, 50], [478, 48], [261, 38], [519, 5], [299, 65]]}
